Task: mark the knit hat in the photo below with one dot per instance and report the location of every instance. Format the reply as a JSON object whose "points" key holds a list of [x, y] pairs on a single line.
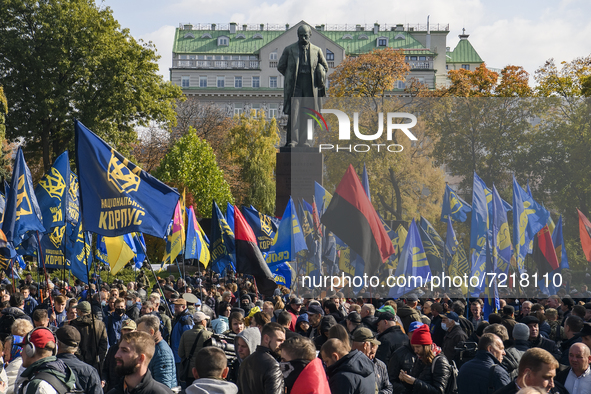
{"points": [[414, 325], [521, 332], [421, 336]]}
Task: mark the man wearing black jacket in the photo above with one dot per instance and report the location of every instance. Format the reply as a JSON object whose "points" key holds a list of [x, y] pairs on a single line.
{"points": [[402, 359], [390, 336], [260, 372]]}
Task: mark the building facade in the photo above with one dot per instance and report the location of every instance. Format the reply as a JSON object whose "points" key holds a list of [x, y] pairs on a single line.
{"points": [[235, 67]]}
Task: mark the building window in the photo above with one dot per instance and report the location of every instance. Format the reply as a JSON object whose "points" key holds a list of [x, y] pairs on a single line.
{"points": [[272, 82], [223, 41], [422, 58], [185, 81], [382, 42], [257, 108], [466, 67], [273, 56], [256, 82], [413, 58], [400, 85], [329, 55], [237, 82], [447, 66], [238, 108], [202, 81], [273, 109], [221, 81]]}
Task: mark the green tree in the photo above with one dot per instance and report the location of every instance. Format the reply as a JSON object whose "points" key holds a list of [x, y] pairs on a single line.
{"points": [[191, 163], [67, 59], [5, 149], [252, 148]]}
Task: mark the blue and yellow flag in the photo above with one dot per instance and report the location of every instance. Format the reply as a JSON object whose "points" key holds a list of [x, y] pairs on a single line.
{"points": [[78, 252], [398, 242], [222, 247], [479, 227], [322, 197], [412, 265], [101, 250], [22, 212], [263, 226], [197, 246], [456, 259], [119, 251], [139, 248], [73, 201], [433, 244], [289, 239], [282, 274], [344, 253], [118, 196], [453, 206], [501, 238], [53, 246], [529, 217], [52, 192]]}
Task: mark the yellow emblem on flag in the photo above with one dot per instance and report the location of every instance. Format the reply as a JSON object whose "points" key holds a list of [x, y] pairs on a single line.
{"points": [[54, 184], [57, 235], [124, 179], [22, 199]]}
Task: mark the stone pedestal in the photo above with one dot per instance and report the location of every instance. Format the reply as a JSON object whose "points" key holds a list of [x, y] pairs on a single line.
{"points": [[296, 171]]}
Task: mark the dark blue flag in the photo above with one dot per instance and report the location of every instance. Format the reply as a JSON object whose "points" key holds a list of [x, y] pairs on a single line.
{"points": [[78, 252], [118, 196], [52, 192], [230, 216], [222, 241], [73, 201], [22, 212], [52, 248], [453, 206], [263, 226]]}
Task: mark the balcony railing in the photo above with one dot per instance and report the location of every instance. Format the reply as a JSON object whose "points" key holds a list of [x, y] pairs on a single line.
{"points": [[273, 64], [421, 65], [217, 64]]}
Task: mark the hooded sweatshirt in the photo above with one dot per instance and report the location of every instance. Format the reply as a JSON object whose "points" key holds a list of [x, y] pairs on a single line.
{"points": [[212, 386], [252, 337]]}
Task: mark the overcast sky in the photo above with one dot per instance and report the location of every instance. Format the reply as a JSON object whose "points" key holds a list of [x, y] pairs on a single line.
{"points": [[503, 32]]}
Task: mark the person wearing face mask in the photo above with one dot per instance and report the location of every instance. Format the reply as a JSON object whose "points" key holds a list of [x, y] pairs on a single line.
{"points": [[89, 337], [115, 320], [131, 309], [450, 322], [302, 371]]}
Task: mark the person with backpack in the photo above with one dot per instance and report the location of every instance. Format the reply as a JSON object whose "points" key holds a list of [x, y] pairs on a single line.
{"points": [[44, 372], [431, 373]]}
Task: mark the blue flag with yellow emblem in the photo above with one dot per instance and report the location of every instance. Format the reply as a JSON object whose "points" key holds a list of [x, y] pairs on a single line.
{"points": [[53, 246], [412, 264], [501, 238], [289, 239], [78, 252], [22, 211], [454, 207], [52, 192], [322, 197], [263, 226], [118, 196], [222, 247], [529, 217]]}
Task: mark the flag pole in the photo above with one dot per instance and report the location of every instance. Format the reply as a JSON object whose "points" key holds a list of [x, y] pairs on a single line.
{"points": [[156, 279], [40, 255]]}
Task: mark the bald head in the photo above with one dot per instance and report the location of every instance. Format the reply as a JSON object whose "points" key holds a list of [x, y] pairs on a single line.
{"points": [[304, 34], [578, 357]]}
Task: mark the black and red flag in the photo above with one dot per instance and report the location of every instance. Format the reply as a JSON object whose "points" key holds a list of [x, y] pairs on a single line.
{"points": [[351, 217], [544, 253], [249, 259], [585, 234]]}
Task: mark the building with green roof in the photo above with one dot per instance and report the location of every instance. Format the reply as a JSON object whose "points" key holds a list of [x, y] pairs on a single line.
{"points": [[236, 66], [463, 56]]}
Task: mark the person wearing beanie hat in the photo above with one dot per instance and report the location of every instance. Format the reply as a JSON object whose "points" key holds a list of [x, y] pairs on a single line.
{"points": [[302, 324], [430, 372], [453, 335], [513, 354]]}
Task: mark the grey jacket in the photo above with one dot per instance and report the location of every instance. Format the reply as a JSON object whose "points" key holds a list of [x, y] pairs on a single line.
{"points": [[212, 386]]}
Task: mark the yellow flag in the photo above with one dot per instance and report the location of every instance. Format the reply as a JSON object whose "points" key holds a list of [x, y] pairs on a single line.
{"points": [[118, 252]]}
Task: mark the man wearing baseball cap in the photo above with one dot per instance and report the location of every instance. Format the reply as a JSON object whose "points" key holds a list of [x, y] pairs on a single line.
{"points": [[364, 340], [44, 373], [92, 333], [182, 322], [402, 359], [87, 377], [390, 335], [198, 333], [454, 334]]}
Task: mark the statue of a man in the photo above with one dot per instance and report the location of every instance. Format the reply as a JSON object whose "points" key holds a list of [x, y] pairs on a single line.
{"points": [[304, 68]]}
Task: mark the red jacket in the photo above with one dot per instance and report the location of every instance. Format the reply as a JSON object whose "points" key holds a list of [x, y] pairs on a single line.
{"points": [[312, 380]]}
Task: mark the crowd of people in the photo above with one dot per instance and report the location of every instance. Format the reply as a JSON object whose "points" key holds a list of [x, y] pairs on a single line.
{"points": [[206, 334]]}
